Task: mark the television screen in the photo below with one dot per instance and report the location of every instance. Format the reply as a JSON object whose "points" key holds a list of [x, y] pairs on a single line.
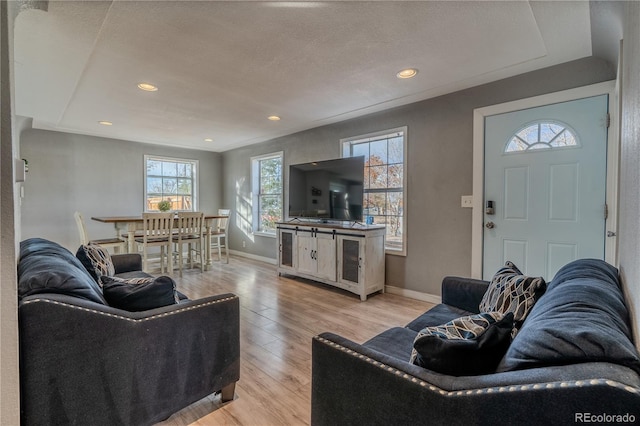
{"points": [[327, 190]]}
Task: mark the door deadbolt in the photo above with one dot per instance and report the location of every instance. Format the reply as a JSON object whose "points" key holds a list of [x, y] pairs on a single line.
{"points": [[489, 207]]}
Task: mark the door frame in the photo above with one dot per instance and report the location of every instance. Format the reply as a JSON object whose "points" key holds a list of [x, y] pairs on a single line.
{"points": [[613, 147]]}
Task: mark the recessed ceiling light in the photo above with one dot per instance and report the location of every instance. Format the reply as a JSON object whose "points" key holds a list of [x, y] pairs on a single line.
{"points": [[208, 140], [407, 73], [105, 123], [274, 118], [147, 87]]}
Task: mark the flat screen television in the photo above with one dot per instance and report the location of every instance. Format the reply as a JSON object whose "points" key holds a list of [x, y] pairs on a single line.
{"points": [[330, 190]]}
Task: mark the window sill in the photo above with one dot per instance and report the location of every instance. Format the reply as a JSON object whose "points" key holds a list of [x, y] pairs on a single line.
{"points": [[400, 253], [265, 234]]}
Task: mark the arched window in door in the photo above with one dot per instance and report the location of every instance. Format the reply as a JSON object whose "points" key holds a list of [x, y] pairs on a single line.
{"points": [[542, 135]]}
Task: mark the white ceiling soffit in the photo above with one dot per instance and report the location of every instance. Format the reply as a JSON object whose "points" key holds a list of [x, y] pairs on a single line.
{"points": [[223, 67]]}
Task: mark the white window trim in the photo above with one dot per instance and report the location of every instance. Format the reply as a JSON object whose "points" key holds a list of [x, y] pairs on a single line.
{"points": [[254, 196], [196, 177], [369, 137]]}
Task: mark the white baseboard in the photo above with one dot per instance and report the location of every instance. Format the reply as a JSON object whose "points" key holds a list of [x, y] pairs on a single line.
{"points": [[412, 294], [254, 257]]}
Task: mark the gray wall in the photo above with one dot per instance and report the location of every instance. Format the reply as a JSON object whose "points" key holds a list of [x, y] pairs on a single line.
{"points": [[98, 177], [439, 169], [9, 383], [629, 229]]}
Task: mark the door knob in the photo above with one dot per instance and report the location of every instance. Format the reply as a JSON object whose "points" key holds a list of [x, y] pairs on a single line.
{"points": [[490, 225]]}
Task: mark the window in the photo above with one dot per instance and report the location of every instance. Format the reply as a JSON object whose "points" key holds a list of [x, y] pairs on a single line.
{"points": [[266, 178], [384, 183], [170, 179], [542, 135]]}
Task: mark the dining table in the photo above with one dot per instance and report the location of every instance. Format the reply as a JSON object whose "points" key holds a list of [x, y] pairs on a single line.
{"points": [[132, 224]]}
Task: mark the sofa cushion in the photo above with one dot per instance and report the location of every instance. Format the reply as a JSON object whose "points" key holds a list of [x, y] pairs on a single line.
{"points": [[396, 342], [511, 291], [465, 346], [47, 267], [437, 315], [97, 260], [134, 295], [581, 318]]}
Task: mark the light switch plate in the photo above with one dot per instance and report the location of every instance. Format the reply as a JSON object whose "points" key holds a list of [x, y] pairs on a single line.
{"points": [[466, 201], [19, 169]]}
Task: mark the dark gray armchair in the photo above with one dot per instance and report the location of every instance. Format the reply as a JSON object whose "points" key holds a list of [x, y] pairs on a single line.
{"points": [[86, 363]]}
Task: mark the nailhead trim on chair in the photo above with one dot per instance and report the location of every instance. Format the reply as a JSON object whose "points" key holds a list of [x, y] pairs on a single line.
{"points": [[514, 388], [166, 314]]}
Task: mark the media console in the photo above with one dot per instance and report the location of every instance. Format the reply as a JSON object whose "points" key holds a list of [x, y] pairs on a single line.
{"points": [[349, 257]]}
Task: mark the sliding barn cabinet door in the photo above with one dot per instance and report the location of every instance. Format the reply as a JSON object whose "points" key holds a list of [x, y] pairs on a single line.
{"points": [[350, 255], [361, 262], [317, 254], [326, 256], [287, 250]]}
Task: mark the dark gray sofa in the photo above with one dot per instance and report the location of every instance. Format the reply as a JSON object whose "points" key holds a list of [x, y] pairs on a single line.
{"points": [[83, 362], [573, 361]]}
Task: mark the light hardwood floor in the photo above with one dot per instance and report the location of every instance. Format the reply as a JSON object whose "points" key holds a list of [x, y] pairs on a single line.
{"points": [[278, 318]]}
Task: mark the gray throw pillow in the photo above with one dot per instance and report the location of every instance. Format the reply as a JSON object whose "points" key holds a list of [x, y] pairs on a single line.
{"points": [[583, 317], [123, 294]]}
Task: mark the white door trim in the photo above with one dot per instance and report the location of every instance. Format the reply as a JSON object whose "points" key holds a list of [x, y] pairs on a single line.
{"points": [[479, 114]]}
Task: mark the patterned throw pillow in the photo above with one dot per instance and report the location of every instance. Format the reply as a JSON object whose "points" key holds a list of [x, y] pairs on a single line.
{"points": [[140, 280], [97, 260], [511, 291], [465, 346]]}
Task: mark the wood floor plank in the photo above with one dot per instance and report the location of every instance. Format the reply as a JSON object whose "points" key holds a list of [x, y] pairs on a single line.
{"points": [[278, 318]]}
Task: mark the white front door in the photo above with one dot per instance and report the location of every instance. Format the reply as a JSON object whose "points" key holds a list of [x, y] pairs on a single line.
{"points": [[545, 174]]}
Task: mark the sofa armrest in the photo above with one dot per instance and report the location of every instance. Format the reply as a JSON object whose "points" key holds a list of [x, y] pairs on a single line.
{"points": [[127, 262], [463, 293], [352, 384], [86, 363]]}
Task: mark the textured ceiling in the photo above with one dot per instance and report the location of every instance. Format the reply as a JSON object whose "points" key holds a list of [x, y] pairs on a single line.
{"points": [[223, 67]]}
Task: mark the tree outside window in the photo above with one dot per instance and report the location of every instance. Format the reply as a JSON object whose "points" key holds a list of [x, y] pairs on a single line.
{"points": [[170, 179], [267, 192], [384, 183]]}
